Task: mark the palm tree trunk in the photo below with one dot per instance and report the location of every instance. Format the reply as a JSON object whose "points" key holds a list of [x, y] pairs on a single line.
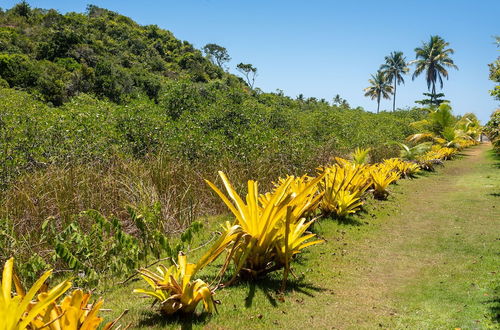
{"points": [[433, 97], [394, 99], [378, 103]]}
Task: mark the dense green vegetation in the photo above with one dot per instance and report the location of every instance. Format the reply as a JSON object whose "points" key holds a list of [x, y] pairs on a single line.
{"points": [[91, 154], [495, 74], [492, 127], [137, 121], [100, 52], [108, 130]]}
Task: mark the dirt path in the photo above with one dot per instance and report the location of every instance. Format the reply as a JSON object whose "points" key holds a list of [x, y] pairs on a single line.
{"points": [[391, 274]]}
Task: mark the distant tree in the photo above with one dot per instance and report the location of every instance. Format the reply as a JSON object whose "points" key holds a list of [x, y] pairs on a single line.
{"points": [[433, 100], [311, 100], [433, 58], [249, 71], [340, 102], [217, 54], [394, 68], [94, 11], [495, 73], [379, 88], [22, 9]]}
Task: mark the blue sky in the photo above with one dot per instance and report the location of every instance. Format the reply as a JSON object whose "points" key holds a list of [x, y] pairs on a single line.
{"points": [[321, 48]]}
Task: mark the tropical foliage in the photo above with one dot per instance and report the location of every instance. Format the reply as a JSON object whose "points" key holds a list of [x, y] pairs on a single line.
{"points": [[173, 289], [405, 169], [411, 153], [268, 231], [443, 128], [74, 312], [107, 126], [381, 177], [379, 87], [343, 187], [492, 129], [495, 73], [56, 56], [432, 58], [394, 68], [24, 311], [17, 312], [361, 155]]}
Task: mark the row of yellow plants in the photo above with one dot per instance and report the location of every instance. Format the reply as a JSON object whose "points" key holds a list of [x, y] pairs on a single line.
{"points": [[271, 228], [268, 231]]}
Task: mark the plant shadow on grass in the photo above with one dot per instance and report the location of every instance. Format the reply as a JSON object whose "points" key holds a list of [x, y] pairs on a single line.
{"points": [[494, 303], [184, 321], [349, 220], [424, 174], [496, 158], [271, 289]]}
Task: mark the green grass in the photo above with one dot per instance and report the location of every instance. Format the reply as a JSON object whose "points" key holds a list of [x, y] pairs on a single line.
{"points": [[461, 288], [426, 258]]}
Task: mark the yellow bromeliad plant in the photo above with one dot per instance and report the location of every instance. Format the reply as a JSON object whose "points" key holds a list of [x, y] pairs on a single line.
{"points": [[268, 230], [404, 168], [173, 289], [381, 177], [73, 313], [445, 153], [435, 156], [299, 186], [464, 143], [361, 155], [429, 161], [343, 187], [18, 311]]}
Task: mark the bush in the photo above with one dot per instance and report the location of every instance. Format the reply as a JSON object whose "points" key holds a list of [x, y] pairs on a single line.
{"points": [[492, 129]]}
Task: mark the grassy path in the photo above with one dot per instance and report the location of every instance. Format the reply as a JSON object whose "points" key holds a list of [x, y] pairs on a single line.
{"points": [[427, 258], [432, 261]]}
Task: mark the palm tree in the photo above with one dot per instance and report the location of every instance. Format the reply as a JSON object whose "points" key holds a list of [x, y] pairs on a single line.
{"points": [[379, 88], [394, 68], [432, 58]]}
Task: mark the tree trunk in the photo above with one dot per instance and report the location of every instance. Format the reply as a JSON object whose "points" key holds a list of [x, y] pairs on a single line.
{"points": [[394, 97], [378, 103], [433, 97]]}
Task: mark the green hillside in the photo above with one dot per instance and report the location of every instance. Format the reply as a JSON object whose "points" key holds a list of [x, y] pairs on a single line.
{"points": [[100, 52]]}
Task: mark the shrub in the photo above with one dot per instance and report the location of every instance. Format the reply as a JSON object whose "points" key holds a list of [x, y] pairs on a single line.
{"points": [[492, 129]]}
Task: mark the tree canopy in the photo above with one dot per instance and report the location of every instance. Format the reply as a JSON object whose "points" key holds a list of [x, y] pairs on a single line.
{"points": [[379, 87], [433, 57], [56, 56], [249, 72], [394, 68], [217, 54]]}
